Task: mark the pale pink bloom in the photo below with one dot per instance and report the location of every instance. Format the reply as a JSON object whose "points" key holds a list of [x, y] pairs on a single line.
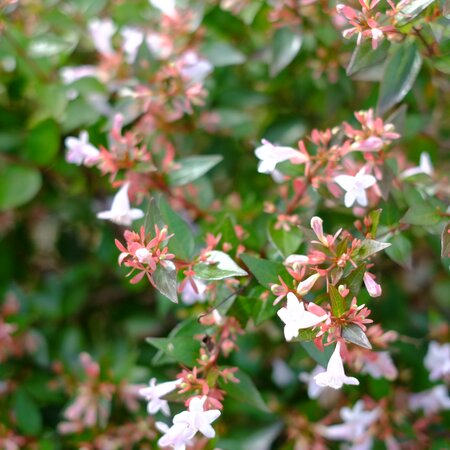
{"points": [[431, 401], [159, 45], [80, 150], [153, 395], [296, 260], [193, 67], [270, 155], [101, 32], [167, 7], [189, 295], [197, 418], [334, 376], [121, 212], [380, 365], [314, 390], [371, 144], [355, 187], [425, 166], [178, 436], [282, 374], [355, 428], [437, 360], [295, 317], [306, 285], [373, 288], [72, 74], [317, 226], [132, 40]]}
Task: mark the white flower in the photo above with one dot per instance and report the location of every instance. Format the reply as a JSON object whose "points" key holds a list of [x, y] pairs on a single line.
{"points": [[380, 365], [178, 436], [270, 155], [355, 187], [132, 39], [189, 296], [334, 376], [167, 7], [355, 427], [121, 213], [314, 390], [437, 360], [197, 418], [194, 68], [431, 401], [101, 32], [80, 150], [425, 166], [282, 374], [153, 395], [295, 317], [72, 74]]}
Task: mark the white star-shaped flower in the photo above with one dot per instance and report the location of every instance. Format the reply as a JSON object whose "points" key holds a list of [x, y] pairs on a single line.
{"points": [[295, 317], [334, 376], [197, 418], [101, 32], [121, 212], [132, 40], [178, 436], [425, 166], [355, 427], [270, 155], [80, 150], [355, 187], [437, 360], [153, 395], [431, 401], [167, 7]]}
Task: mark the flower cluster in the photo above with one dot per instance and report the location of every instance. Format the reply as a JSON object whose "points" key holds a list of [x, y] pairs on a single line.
{"points": [[145, 254]]}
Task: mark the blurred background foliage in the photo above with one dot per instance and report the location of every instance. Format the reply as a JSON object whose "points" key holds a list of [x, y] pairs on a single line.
{"points": [[60, 263]]}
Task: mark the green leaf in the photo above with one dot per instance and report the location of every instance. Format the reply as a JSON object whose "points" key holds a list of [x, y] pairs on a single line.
{"points": [[401, 71], [286, 45], [320, 357], [369, 247], [352, 333], [365, 58], [244, 391], [51, 45], [182, 244], [265, 271], [184, 330], [375, 218], [222, 266], [442, 63], [182, 349], [286, 242], [28, 416], [338, 305], [192, 167], [422, 214], [221, 54], [401, 250], [18, 185], [166, 282], [354, 280], [411, 10], [445, 241], [42, 142]]}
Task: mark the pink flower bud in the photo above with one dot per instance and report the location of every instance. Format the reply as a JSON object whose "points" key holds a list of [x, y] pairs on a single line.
{"points": [[373, 288], [316, 225], [306, 285]]}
